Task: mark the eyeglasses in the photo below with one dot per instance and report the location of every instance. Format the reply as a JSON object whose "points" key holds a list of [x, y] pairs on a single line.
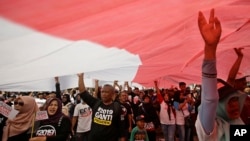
{"points": [[19, 103]]}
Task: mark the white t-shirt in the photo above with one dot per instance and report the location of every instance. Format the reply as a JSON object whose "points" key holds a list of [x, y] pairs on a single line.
{"points": [[164, 118], [84, 114], [180, 114]]}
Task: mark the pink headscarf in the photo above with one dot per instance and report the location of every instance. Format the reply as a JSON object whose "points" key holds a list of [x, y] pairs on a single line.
{"points": [[23, 120]]}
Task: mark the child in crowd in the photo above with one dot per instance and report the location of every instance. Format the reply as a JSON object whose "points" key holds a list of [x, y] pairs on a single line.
{"points": [[139, 133]]}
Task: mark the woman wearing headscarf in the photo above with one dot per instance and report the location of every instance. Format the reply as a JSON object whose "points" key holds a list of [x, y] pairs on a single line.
{"points": [[17, 128], [216, 94], [68, 106], [57, 127]]}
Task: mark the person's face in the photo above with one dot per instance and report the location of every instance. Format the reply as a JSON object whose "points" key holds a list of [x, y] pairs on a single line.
{"points": [[166, 97], [183, 87], [107, 94], [78, 97], [146, 100], [115, 95], [52, 95], [140, 124], [18, 104], [233, 108], [64, 99], [137, 91], [40, 96], [141, 95], [123, 97], [52, 108], [151, 93], [45, 96]]}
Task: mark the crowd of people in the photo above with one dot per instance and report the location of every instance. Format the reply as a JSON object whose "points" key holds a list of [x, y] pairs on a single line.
{"points": [[120, 112]]}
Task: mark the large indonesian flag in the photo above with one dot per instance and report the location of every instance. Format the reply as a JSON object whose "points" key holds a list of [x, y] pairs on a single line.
{"points": [[127, 40]]}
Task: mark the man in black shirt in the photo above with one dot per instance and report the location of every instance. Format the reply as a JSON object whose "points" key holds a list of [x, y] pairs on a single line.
{"points": [[126, 111], [107, 121]]}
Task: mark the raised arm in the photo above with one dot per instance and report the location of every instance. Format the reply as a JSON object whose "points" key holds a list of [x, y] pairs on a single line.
{"points": [[126, 85], [236, 66], [81, 85], [84, 94], [96, 88], [117, 85], [158, 92], [58, 90], [211, 32]]}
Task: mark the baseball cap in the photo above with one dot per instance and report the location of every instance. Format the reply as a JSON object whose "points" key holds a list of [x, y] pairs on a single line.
{"points": [[140, 117]]}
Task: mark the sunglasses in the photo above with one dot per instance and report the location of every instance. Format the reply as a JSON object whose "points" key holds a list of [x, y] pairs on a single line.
{"points": [[19, 103]]}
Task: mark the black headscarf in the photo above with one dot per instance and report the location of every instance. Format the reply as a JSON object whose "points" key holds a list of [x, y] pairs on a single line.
{"points": [[68, 99], [56, 117]]}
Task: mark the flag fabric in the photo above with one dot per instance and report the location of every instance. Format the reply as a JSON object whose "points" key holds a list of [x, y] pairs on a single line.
{"points": [[126, 40]]}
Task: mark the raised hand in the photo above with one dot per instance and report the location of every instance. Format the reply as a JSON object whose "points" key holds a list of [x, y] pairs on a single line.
{"points": [[210, 31], [81, 85], [56, 79], [80, 74], [238, 51], [115, 82], [156, 83], [126, 83]]}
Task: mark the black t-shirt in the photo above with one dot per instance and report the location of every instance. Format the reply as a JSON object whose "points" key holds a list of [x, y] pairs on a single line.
{"points": [[150, 114], [55, 132], [126, 110], [2, 124], [20, 137], [107, 123]]}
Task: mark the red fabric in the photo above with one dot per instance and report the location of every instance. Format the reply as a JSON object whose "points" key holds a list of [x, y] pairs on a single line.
{"points": [[163, 33]]}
